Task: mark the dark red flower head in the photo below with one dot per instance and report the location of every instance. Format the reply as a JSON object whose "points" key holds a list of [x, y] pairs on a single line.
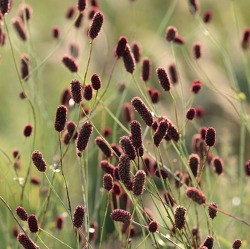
{"points": [[61, 117], [120, 215], [78, 216], [96, 81], [139, 182], [163, 78], [179, 217], [26, 242], [70, 63], [96, 25], [84, 135], [38, 161], [33, 223], [146, 69], [22, 213], [121, 46], [170, 33], [128, 59], [210, 136], [196, 195], [144, 112], [76, 91], [152, 226]]}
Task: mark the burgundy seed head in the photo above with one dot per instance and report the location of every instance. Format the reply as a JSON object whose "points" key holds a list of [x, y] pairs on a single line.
{"points": [[179, 217], [127, 147], [71, 127], [22, 95], [128, 59], [173, 74], [190, 113], [33, 223], [78, 22], [56, 32], [96, 81], [121, 46], [16, 154], [96, 25], [197, 50], [152, 226], [137, 51], [218, 165], [128, 112], [194, 163], [117, 188], [88, 92], [35, 180], [76, 91], [141, 151], [61, 117], [212, 210], [171, 33], [162, 173], [120, 215], [107, 167], [27, 130], [70, 12], [81, 5], [196, 86], [107, 132], [143, 111], [160, 132], [146, 69], [74, 50], [38, 161], [136, 134], [26, 242], [70, 63], [245, 42], [78, 216], [209, 242], [4, 6], [24, 67], [59, 222], [237, 244], [99, 141], [154, 95], [92, 12], [163, 78], [117, 149], [169, 199], [124, 170], [25, 12], [207, 16], [210, 137], [22, 213], [19, 27], [247, 168], [196, 195], [172, 133], [139, 182], [108, 182], [65, 97], [179, 40], [84, 135], [194, 6]]}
